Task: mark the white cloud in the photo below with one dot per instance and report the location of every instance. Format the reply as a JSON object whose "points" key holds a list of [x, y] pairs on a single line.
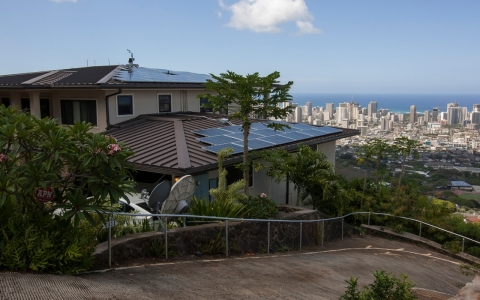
{"points": [[266, 15], [60, 1], [306, 27]]}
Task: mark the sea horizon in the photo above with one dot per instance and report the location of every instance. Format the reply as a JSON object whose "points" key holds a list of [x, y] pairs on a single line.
{"points": [[395, 102]]}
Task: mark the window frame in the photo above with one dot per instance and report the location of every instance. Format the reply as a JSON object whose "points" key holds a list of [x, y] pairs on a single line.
{"points": [[5, 99], [205, 110], [133, 105], [49, 107], [158, 102], [79, 99]]}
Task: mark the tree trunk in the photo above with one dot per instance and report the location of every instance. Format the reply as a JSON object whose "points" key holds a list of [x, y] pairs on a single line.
{"points": [[401, 172], [246, 166]]}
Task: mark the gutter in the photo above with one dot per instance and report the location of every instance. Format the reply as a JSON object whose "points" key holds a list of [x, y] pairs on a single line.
{"points": [[108, 108]]}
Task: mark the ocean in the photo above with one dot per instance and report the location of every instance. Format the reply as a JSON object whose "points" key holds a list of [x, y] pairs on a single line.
{"points": [[397, 103]]}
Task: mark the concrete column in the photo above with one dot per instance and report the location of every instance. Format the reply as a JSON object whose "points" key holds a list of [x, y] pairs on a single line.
{"points": [[15, 100], [35, 103]]}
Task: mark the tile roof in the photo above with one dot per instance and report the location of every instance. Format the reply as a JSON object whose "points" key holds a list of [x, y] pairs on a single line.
{"points": [[165, 143]]}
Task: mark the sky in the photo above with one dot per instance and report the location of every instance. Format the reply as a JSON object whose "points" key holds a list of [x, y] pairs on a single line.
{"points": [[348, 46]]}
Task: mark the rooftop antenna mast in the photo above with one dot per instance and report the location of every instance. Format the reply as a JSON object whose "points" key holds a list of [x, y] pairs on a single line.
{"points": [[130, 61]]}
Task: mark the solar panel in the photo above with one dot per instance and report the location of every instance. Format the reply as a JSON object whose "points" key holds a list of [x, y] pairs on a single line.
{"points": [[211, 132], [233, 128], [258, 144], [140, 74], [328, 129], [216, 148], [297, 136], [260, 136], [278, 139], [218, 140]]}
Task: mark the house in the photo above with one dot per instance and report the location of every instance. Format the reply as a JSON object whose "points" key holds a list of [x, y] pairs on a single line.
{"points": [[157, 113], [103, 95], [438, 165]]}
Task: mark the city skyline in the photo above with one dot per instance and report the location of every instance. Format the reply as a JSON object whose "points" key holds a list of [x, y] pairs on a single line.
{"points": [[329, 47]]}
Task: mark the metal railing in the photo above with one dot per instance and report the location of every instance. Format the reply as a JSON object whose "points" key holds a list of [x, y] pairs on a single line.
{"points": [[163, 217]]}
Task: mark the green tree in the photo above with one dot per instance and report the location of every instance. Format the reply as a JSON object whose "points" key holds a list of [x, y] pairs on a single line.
{"points": [[404, 147], [309, 171], [83, 172], [249, 96]]}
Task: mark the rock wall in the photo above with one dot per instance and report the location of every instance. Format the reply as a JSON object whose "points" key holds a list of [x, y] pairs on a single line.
{"points": [[243, 237]]}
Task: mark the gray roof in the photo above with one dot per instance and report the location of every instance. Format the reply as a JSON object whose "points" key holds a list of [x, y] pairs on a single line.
{"points": [[119, 76], [459, 183]]}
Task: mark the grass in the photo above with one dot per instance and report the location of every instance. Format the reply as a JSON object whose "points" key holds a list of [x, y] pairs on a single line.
{"points": [[469, 196]]}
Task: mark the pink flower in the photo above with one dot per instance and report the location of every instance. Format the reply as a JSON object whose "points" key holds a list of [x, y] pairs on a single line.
{"points": [[263, 195], [3, 158], [113, 148]]}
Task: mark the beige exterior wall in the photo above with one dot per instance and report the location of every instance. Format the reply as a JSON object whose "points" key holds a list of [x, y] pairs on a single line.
{"points": [[145, 102], [277, 191]]}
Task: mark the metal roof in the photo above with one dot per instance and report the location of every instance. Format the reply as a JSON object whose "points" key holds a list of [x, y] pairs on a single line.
{"points": [[166, 143]]}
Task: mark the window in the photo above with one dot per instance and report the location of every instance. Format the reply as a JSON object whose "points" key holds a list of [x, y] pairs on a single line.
{"points": [[5, 101], [204, 109], [44, 108], [25, 104], [124, 105], [164, 103], [235, 174], [79, 111]]}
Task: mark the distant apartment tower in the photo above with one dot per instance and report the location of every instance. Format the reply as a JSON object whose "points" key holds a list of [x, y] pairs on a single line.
{"points": [[298, 114], [372, 109], [309, 108], [435, 114], [413, 114], [384, 124], [329, 109], [475, 116], [476, 107], [426, 116], [455, 114]]}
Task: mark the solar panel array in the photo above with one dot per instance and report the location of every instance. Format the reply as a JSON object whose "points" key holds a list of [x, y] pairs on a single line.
{"points": [[140, 74], [260, 136]]}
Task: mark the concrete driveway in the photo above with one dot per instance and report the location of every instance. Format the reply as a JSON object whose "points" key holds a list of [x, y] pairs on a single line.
{"points": [[318, 273]]}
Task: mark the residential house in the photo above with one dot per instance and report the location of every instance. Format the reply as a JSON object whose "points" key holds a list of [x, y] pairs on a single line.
{"points": [[157, 113]]}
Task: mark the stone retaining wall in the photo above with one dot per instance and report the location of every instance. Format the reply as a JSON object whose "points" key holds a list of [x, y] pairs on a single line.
{"points": [[243, 237]]}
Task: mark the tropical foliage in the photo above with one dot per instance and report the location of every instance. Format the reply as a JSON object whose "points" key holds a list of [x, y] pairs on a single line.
{"points": [[244, 97], [79, 171]]}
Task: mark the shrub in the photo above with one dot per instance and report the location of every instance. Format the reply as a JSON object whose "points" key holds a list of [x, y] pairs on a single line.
{"points": [[260, 207], [385, 286], [227, 209]]}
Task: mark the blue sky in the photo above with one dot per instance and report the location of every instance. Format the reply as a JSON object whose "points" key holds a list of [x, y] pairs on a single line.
{"points": [[410, 46]]}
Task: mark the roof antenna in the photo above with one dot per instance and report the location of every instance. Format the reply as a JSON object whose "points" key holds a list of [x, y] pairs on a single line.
{"points": [[131, 60]]}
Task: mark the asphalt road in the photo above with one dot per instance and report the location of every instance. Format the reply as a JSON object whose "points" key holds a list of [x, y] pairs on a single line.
{"points": [[317, 273]]}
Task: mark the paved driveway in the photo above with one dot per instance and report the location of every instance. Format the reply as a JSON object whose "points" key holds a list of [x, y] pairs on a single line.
{"points": [[315, 274]]}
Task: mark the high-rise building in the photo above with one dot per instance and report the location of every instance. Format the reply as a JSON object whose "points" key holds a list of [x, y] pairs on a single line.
{"points": [[298, 114], [309, 108], [476, 107], [329, 109], [435, 114], [475, 117], [413, 114], [384, 123], [456, 114], [426, 116], [372, 109]]}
